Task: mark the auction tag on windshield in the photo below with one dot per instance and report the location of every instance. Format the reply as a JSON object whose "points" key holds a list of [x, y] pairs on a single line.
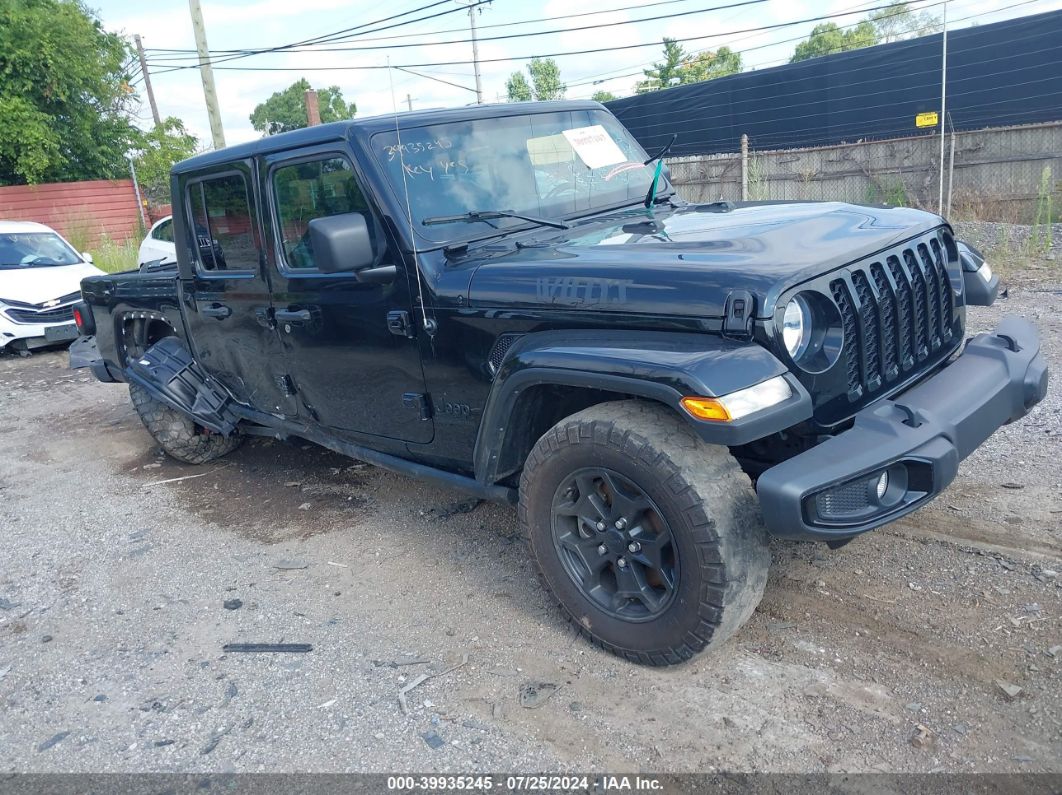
{"points": [[594, 146]]}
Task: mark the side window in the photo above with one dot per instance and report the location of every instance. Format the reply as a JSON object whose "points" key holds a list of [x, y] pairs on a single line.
{"points": [[308, 190], [222, 224], [164, 232]]}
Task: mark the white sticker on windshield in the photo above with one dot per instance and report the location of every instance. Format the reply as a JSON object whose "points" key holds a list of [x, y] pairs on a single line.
{"points": [[594, 146]]}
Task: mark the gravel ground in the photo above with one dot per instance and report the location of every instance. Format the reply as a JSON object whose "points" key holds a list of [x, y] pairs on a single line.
{"points": [[932, 645]]}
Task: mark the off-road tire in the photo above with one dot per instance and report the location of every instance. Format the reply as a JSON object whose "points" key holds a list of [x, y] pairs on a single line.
{"points": [[704, 496], [177, 434]]}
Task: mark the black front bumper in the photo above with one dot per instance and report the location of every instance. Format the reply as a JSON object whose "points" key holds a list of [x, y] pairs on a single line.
{"points": [[917, 438]]}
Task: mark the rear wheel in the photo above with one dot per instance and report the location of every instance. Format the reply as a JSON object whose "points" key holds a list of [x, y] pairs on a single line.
{"points": [[179, 435], [650, 538]]}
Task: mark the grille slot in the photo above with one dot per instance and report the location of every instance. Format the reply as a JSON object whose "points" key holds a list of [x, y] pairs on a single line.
{"points": [[918, 301], [868, 312], [890, 332], [905, 311]]}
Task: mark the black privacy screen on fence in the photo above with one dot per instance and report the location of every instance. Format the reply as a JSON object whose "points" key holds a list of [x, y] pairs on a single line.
{"points": [[1000, 74]]}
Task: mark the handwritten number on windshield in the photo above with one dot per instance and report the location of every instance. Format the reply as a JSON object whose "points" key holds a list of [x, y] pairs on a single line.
{"points": [[416, 147]]}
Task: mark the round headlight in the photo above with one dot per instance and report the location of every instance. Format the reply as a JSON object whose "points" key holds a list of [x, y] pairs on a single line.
{"points": [[796, 327]]}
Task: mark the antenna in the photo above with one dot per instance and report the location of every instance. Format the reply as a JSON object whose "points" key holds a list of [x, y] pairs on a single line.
{"points": [[430, 326]]}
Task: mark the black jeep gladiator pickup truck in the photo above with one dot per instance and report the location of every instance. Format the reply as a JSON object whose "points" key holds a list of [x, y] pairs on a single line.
{"points": [[512, 300]]}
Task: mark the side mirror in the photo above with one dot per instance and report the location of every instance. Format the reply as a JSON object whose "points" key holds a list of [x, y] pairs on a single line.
{"points": [[341, 243], [87, 257]]}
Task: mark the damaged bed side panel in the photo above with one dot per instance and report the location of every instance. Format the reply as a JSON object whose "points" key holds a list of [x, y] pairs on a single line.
{"points": [[170, 374]]}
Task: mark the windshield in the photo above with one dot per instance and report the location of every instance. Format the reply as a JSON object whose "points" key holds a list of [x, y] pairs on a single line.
{"points": [[545, 164], [35, 250]]}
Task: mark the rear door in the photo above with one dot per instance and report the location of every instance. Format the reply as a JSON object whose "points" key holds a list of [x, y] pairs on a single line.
{"points": [[352, 372], [226, 292]]}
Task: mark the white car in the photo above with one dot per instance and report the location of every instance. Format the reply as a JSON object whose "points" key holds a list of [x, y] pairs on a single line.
{"points": [[159, 245], [40, 281]]}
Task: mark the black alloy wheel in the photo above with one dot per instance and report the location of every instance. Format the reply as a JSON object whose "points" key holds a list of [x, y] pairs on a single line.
{"points": [[615, 544]]}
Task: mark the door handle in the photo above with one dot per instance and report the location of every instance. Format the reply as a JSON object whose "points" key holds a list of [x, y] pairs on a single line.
{"points": [[220, 311], [292, 315]]}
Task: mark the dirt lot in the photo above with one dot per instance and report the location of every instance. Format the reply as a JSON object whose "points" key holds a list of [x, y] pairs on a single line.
{"points": [[892, 654]]}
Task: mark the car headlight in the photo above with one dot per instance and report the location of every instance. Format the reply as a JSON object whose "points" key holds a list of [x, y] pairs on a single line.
{"points": [[810, 329], [742, 403], [796, 327]]}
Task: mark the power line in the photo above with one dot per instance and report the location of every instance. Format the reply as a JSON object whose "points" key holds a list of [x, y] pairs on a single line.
{"points": [[588, 81], [338, 35], [776, 26], [738, 4], [861, 8], [360, 37]]}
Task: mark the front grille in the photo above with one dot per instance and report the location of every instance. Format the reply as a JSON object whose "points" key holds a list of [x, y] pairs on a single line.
{"points": [[60, 314], [896, 313]]}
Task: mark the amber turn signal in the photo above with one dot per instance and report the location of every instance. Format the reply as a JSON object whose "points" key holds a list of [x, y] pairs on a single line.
{"points": [[704, 408]]}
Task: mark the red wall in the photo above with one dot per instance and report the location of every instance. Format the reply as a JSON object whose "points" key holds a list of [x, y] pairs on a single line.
{"points": [[96, 208]]}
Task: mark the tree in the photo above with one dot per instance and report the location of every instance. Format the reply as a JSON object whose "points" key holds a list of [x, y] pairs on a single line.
{"points": [[546, 79], [545, 82], [518, 87], [286, 110], [827, 38], [660, 75], [709, 65], [64, 95], [603, 96], [680, 68], [897, 22], [157, 151]]}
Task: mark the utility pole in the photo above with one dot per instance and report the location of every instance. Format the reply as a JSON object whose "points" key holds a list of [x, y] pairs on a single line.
{"points": [[409, 102], [147, 80], [207, 73], [475, 49]]}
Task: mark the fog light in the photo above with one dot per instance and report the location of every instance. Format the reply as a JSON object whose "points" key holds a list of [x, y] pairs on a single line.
{"points": [[883, 485]]}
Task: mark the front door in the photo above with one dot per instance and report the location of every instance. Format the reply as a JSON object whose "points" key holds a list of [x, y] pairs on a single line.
{"points": [[226, 293], [351, 371]]}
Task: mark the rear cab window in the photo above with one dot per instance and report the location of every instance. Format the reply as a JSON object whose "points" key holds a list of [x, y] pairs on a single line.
{"points": [[222, 224]]}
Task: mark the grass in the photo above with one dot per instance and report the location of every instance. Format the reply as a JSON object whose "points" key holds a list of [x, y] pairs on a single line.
{"points": [[112, 257], [1041, 237], [108, 255]]}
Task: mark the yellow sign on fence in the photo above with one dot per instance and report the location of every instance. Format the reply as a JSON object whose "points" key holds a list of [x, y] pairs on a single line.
{"points": [[927, 119]]}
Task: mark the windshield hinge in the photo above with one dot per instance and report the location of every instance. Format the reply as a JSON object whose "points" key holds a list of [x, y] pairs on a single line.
{"points": [[737, 315]]}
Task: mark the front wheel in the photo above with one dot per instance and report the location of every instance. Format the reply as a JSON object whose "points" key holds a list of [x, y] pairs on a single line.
{"points": [[650, 538]]}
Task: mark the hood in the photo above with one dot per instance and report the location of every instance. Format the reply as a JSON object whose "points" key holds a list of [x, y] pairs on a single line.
{"points": [[685, 260], [37, 285]]}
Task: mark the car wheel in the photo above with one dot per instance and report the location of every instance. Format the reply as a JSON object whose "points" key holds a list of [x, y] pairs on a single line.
{"points": [[651, 539], [179, 435]]}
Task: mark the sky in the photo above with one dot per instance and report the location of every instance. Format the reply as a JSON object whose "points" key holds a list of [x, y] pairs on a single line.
{"points": [[254, 24]]}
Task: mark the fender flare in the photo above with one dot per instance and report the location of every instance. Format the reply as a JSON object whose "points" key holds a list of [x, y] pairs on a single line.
{"points": [[659, 366]]}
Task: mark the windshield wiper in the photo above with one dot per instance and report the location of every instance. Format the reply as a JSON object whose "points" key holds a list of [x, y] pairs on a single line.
{"points": [[650, 195], [474, 216]]}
